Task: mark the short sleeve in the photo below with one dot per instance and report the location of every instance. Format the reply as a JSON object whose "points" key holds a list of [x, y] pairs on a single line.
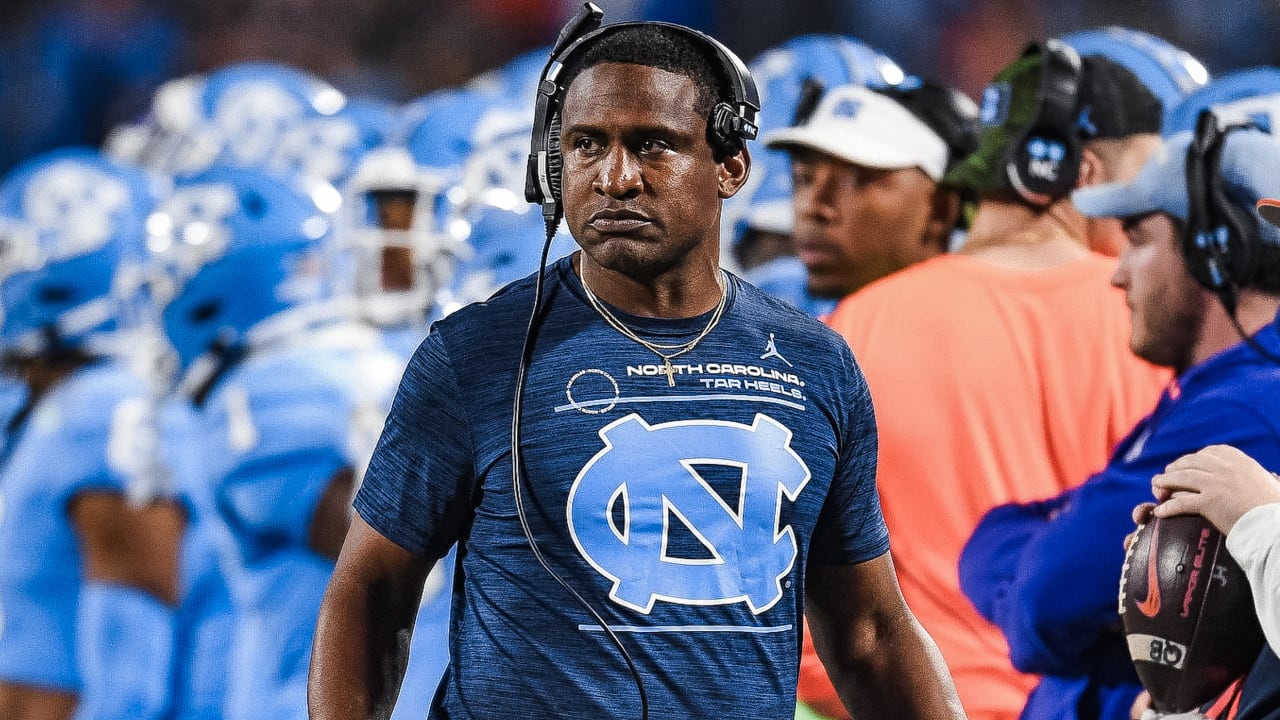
{"points": [[851, 527], [417, 491]]}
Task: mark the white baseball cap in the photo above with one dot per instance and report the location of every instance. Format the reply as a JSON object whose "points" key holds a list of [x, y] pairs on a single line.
{"points": [[867, 128]]}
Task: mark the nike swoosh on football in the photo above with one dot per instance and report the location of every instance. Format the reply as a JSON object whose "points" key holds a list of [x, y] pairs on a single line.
{"points": [[1151, 605]]}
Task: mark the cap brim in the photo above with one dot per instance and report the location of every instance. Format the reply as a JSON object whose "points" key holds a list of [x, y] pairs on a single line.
{"points": [[838, 143], [1114, 200], [1269, 209]]}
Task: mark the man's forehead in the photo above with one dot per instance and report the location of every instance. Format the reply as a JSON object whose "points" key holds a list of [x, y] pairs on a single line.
{"points": [[623, 82]]}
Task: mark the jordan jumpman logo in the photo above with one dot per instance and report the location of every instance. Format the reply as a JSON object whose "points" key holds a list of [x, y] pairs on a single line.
{"points": [[771, 350]]}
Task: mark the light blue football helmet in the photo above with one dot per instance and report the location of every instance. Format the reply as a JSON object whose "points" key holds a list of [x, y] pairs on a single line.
{"points": [[328, 148], [780, 74], [236, 116], [481, 139], [1251, 95], [504, 245], [237, 247], [1168, 71], [391, 234], [73, 253]]}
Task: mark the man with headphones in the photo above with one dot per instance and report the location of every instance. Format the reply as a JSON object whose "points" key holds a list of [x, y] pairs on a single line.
{"points": [[1001, 371], [1201, 276], [690, 468]]}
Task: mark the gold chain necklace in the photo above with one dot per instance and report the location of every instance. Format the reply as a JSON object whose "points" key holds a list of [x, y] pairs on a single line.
{"points": [[658, 348]]}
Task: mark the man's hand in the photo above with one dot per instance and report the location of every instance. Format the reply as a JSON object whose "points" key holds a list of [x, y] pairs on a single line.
{"points": [[1219, 483], [1141, 516]]}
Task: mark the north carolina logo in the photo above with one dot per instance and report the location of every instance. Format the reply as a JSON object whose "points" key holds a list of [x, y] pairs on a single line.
{"points": [[689, 511], [846, 108], [1046, 158]]}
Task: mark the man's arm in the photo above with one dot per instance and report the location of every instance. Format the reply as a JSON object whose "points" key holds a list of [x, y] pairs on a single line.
{"points": [[362, 635], [881, 661], [124, 616]]}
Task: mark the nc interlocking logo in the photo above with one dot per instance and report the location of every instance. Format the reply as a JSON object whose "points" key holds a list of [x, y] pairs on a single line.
{"points": [[846, 108], [1046, 157], [646, 484]]}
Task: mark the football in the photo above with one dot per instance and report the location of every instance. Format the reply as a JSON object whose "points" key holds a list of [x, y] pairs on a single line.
{"points": [[1187, 612]]}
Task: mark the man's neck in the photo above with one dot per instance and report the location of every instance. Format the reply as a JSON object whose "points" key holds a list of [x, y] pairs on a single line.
{"points": [[1013, 235], [688, 291], [1254, 310]]}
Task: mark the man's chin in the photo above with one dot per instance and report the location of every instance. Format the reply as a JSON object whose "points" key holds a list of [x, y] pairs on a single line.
{"points": [[825, 289]]}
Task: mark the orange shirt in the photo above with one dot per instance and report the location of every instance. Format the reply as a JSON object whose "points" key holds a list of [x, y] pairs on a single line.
{"points": [[990, 385]]}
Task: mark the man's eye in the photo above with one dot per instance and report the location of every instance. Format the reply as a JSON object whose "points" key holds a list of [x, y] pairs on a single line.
{"points": [[585, 144], [653, 146]]}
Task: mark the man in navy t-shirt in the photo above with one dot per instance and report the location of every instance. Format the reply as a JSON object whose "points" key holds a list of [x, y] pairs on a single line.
{"points": [[697, 460]]}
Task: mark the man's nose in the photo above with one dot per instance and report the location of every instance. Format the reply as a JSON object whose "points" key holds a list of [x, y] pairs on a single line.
{"points": [[619, 175]]}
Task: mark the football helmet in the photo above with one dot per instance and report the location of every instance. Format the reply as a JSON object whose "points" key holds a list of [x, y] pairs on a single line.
{"points": [[1251, 96], [73, 253], [235, 116], [328, 148], [505, 245], [237, 247], [390, 236], [1170, 72]]}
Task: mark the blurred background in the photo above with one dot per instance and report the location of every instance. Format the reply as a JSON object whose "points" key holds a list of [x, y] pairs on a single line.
{"points": [[72, 69]]}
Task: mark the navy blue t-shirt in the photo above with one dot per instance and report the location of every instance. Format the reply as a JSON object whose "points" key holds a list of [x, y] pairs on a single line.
{"points": [[684, 515]]}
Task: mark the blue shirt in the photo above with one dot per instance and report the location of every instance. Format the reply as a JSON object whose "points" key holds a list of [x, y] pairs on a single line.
{"points": [[1047, 573], [684, 515]]}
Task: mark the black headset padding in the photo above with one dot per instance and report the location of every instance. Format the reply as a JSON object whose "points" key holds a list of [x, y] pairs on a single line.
{"points": [[728, 128], [1220, 242], [1057, 103]]}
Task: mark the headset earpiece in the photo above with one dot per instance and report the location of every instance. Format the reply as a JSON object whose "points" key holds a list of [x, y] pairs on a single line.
{"points": [[1220, 243], [555, 159], [729, 126], [1042, 164]]}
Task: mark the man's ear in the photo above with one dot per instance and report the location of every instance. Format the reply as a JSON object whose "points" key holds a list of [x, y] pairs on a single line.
{"points": [[944, 211], [733, 173], [1091, 170]]}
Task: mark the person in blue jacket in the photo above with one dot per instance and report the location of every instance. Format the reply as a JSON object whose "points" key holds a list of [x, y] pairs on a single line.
{"points": [[1202, 279]]}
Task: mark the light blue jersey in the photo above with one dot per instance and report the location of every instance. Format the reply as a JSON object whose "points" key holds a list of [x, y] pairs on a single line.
{"points": [[79, 437], [204, 619], [278, 428]]}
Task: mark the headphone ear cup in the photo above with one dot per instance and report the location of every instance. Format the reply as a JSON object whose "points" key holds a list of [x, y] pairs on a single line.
{"points": [[1220, 245], [720, 131], [1043, 167], [1193, 251], [555, 161], [1240, 256]]}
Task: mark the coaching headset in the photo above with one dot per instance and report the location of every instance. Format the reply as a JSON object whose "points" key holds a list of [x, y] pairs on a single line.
{"points": [[1220, 244], [1043, 162], [728, 128]]}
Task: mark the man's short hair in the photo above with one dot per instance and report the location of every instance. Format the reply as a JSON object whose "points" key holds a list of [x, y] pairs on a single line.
{"points": [[662, 47]]}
